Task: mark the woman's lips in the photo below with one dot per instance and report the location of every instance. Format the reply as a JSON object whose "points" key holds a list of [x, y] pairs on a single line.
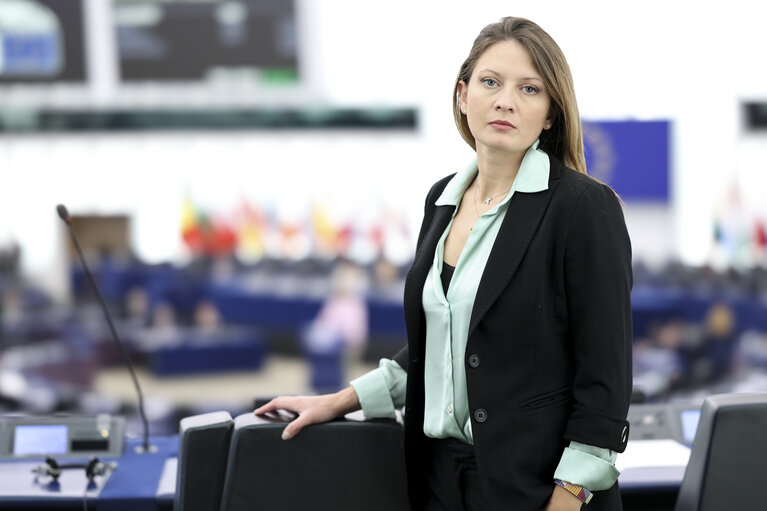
{"points": [[502, 125]]}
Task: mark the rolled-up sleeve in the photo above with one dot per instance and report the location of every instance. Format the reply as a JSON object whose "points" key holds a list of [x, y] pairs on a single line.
{"points": [[588, 466], [598, 280], [381, 390]]}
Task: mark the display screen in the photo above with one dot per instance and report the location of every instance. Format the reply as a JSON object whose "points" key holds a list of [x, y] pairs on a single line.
{"points": [[45, 439], [171, 40], [690, 419], [41, 41]]}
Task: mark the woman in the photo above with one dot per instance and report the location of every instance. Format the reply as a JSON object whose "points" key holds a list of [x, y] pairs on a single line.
{"points": [[517, 376]]}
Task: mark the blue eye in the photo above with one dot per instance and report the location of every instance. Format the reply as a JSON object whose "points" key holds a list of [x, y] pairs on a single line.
{"points": [[489, 82], [529, 89]]}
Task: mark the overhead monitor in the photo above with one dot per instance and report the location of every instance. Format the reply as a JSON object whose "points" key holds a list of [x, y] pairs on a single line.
{"points": [[41, 41], [242, 41]]}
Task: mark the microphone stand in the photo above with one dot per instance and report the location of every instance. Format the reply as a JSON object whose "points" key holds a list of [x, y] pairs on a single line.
{"points": [[145, 448]]}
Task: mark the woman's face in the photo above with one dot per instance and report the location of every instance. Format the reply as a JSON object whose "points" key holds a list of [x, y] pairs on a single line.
{"points": [[505, 101]]}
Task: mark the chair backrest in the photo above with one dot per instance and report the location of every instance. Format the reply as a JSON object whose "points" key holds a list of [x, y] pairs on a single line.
{"points": [[728, 461], [202, 458], [343, 465]]}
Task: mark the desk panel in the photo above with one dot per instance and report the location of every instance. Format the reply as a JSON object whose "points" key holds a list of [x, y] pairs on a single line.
{"points": [[146, 482], [131, 487]]}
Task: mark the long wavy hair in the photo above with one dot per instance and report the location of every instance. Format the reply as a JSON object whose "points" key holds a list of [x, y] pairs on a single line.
{"points": [[564, 139]]}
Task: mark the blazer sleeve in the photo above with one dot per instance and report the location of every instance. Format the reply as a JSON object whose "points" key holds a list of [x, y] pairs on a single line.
{"points": [[598, 281]]}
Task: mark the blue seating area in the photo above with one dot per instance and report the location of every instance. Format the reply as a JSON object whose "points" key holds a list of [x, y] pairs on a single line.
{"points": [[282, 301], [265, 309], [238, 350]]}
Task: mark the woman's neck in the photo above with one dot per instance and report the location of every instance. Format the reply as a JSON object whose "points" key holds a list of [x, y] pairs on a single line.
{"points": [[497, 172]]}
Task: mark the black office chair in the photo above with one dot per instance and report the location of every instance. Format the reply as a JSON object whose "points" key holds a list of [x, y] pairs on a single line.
{"points": [[344, 465], [728, 461], [202, 458]]}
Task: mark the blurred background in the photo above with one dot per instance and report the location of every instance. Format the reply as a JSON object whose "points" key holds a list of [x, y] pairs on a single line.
{"points": [[247, 180]]}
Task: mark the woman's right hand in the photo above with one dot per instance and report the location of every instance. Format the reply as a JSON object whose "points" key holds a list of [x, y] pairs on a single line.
{"points": [[312, 409]]}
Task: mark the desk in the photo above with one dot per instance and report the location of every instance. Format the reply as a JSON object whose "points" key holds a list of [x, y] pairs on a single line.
{"points": [[147, 482], [647, 482], [131, 487], [652, 464], [651, 474]]}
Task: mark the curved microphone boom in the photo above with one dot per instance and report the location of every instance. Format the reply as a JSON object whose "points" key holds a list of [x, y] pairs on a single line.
{"points": [[64, 214]]}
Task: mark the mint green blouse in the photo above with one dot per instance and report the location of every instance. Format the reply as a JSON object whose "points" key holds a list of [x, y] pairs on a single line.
{"points": [[446, 411]]}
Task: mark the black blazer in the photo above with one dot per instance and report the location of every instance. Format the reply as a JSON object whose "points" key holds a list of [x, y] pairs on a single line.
{"points": [[548, 356]]}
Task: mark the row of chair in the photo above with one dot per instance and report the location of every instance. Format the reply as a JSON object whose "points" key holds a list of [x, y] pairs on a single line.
{"points": [[244, 465], [349, 465]]}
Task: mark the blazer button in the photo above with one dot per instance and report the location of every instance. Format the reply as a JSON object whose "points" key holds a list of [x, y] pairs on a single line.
{"points": [[480, 415], [624, 434], [474, 361]]}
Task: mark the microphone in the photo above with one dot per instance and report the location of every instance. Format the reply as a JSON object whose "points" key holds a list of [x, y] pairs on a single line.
{"points": [[64, 215]]}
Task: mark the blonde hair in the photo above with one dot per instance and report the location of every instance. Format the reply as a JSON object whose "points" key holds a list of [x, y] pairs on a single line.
{"points": [[564, 139]]}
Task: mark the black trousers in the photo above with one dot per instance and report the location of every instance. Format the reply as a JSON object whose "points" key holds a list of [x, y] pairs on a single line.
{"points": [[453, 480]]}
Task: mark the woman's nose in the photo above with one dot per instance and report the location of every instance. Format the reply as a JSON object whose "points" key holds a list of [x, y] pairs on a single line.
{"points": [[504, 103]]}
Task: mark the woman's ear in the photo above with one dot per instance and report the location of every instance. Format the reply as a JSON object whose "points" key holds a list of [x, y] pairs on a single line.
{"points": [[552, 117], [461, 96]]}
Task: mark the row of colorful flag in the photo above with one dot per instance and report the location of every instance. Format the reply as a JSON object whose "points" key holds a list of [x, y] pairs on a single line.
{"points": [[739, 242], [252, 232]]}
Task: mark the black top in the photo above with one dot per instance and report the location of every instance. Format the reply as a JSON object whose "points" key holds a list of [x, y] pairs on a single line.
{"points": [[446, 275]]}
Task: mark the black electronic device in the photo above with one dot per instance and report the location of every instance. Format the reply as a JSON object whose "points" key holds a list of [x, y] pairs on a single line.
{"points": [[62, 437], [664, 421]]}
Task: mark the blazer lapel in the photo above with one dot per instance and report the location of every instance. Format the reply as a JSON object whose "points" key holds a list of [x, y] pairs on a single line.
{"points": [[517, 230], [421, 264]]}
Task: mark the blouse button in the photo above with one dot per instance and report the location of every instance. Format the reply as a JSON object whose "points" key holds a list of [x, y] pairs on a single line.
{"points": [[474, 361], [480, 415]]}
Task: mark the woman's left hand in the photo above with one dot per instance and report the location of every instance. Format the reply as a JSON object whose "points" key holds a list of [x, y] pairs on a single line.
{"points": [[563, 500]]}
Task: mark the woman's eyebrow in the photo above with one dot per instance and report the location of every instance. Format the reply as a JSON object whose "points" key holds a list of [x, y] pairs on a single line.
{"points": [[524, 78]]}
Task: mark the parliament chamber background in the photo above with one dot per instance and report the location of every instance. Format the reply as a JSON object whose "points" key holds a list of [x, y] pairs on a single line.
{"points": [[246, 179]]}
